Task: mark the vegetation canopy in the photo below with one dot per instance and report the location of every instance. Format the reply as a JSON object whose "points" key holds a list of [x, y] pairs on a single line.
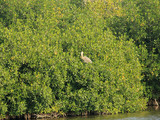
{"points": [[41, 70]]}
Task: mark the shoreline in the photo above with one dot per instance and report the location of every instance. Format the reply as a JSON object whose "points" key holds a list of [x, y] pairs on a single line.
{"points": [[152, 103]]}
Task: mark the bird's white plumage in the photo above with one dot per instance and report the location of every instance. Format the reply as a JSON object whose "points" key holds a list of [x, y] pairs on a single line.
{"points": [[85, 59]]}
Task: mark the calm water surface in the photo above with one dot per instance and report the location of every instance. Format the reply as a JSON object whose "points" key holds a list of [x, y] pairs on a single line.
{"points": [[150, 114]]}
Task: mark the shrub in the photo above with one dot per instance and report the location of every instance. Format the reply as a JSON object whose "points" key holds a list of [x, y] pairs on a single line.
{"points": [[140, 21], [42, 70]]}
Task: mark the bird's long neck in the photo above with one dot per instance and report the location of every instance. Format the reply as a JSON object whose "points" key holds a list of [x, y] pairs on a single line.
{"points": [[82, 54]]}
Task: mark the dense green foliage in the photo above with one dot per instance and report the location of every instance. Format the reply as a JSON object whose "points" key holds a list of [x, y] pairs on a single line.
{"points": [[140, 20], [40, 66]]}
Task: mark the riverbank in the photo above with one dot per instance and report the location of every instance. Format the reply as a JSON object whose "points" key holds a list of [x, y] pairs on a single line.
{"points": [[153, 104], [94, 115]]}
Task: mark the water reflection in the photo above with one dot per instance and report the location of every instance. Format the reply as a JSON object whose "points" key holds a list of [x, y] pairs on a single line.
{"points": [[152, 113]]}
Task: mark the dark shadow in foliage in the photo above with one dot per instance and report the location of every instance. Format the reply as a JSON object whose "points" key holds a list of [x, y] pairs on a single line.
{"points": [[73, 78], [78, 3], [1, 37], [25, 69], [1, 41], [66, 46], [6, 15]]}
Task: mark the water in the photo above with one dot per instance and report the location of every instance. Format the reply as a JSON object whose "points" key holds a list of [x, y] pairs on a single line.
{"points": [[150, 114]]}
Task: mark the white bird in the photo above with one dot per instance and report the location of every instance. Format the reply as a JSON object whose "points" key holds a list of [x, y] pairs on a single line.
{"points": [[85, 58]]}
